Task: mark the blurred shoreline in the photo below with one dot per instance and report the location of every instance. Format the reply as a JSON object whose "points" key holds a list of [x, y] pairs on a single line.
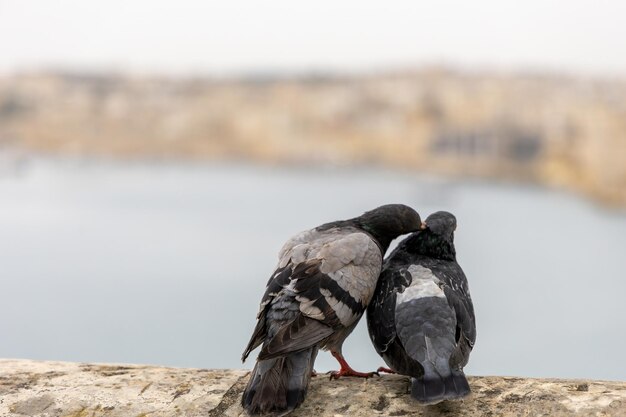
{"points": [[560, 132]]}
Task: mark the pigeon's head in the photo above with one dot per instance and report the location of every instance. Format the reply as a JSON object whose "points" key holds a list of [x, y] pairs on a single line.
{"points": [[435, 238], [388, 222], [442, 224]]}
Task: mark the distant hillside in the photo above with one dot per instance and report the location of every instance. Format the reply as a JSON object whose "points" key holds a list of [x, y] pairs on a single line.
{"points": [[556, 131]]}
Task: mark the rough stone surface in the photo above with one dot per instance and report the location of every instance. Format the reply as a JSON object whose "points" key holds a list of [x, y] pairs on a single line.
{"points": [[60, 389]]}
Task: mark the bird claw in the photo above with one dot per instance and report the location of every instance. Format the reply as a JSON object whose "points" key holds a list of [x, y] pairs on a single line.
{"points": [[386, 370], [353, 373]]}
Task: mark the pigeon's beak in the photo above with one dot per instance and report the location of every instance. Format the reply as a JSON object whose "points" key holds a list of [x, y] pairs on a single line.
{"points": [[423, 226]]}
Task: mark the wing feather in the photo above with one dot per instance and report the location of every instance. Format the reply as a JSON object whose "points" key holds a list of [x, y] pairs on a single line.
{"points": [[323, 282]]}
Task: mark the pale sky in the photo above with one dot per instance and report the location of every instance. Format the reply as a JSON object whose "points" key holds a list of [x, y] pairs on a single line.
{"points": [[209, 37]]}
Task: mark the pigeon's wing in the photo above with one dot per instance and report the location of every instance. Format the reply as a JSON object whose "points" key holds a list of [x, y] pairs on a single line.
{"points": [[457, 293], [381, 320], [279, 279], [339, 280], [435, 317], [425, 323], [298, 334], [321, 285]]}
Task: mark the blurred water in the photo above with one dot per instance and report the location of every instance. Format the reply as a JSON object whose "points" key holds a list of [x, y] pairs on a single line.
{"points": [[165, 263]]}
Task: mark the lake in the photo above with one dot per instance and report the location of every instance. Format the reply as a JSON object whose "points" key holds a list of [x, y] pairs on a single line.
{"points": [[165, 263]]}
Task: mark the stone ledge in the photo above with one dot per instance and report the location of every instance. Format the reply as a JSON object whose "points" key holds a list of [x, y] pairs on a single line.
{"points": [[63, 389]]}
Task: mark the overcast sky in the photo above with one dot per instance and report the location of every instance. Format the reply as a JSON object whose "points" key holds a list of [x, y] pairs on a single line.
{"points": [[208, 37]]}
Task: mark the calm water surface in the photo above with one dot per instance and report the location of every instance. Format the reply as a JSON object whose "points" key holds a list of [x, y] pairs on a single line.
{"points": [[166, 263]]}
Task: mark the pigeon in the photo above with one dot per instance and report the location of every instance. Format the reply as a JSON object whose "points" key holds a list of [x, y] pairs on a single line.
{"points": [[421, 318], [322, 285]]}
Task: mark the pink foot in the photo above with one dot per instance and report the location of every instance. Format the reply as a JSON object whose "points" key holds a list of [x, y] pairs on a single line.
{"points": [[351, 372], [346, 370]]}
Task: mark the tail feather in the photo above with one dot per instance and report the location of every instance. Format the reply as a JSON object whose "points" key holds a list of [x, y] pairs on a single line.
{"points": [[279, 385], [431, 389]]}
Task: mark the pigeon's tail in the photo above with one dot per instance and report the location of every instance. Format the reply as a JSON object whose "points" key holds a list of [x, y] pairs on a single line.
{"points": [[431, 389], [278, 385]]}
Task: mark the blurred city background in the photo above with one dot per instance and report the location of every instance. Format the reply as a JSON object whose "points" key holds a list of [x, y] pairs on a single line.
{"points": [[154, 156]]}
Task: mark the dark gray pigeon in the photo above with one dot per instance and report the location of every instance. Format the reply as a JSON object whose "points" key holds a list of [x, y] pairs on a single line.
{"points": [[421, 319], [324, 281]]}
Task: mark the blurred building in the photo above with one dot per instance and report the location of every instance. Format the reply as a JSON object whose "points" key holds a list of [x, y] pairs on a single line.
{"points": [[552, 130]]}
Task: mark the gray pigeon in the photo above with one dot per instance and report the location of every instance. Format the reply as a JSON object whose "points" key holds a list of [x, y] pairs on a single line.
{"points": [[421, 319], [324, 281]]}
